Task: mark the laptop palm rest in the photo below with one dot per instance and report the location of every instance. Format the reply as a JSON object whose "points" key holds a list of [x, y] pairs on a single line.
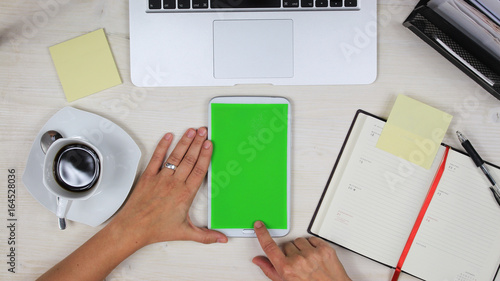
{"points": [[253, 49]]}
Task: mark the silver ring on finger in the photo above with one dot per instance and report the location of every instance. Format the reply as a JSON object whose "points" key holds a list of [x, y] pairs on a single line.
{"points": [[170, 166]]}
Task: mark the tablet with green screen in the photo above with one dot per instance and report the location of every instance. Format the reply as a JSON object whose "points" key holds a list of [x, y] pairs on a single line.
{"points": [[249, 176]]}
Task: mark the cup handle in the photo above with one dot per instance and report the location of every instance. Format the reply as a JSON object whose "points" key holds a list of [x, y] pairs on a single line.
{"points": [[62, 208]]}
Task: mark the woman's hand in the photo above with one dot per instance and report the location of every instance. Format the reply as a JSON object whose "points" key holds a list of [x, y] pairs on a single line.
{"points": [[158, 208], [301, 260]]}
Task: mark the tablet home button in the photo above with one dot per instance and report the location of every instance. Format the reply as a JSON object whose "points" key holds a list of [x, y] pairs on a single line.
{"points": [[248, 231]]}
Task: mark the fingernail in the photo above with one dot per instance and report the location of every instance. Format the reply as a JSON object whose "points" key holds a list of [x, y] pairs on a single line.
{"points": [[258, 224], [222, 240], [202, 131], [191, 133], [207, 144], [168, 136]]}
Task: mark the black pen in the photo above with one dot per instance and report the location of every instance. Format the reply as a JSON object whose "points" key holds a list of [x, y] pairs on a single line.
{"points": [[480, 164]]}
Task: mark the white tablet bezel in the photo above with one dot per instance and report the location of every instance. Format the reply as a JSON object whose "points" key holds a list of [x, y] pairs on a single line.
{"points": [[253, 100]]}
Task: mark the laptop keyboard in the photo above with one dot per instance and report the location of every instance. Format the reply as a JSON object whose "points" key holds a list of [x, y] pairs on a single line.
{"points": [[251, 5]]}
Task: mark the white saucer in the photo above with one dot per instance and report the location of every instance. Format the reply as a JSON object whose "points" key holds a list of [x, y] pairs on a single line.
{"points": [[121, 158]]}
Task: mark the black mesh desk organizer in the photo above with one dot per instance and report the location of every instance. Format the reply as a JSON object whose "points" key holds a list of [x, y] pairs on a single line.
{"points": [[432, 28]]}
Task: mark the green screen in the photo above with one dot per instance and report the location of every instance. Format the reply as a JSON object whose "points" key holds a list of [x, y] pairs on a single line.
{"points": [[249, 165]]}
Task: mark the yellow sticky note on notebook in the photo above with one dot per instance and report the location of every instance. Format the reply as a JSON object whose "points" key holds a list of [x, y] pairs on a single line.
{"points": [[85, 65], [414, 131]]}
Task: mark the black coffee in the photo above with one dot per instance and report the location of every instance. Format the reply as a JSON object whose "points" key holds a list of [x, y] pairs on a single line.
{"points": [[76, 167]]}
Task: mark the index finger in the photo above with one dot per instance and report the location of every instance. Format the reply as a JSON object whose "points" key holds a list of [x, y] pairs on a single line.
{"points": [[200, 169], [273, 252]]}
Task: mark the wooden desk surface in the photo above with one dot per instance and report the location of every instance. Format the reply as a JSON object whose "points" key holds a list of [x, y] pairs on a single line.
{"points": [[30, 93]]}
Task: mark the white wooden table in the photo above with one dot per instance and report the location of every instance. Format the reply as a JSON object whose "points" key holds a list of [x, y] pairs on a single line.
{"points": [[30, 93]]}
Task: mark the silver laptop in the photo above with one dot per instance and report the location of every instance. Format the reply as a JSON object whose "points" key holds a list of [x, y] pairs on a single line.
{"points": [[229, 42]]}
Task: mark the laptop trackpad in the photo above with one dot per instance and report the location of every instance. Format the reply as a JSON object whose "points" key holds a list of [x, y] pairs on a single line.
{"points": [[253, 48]]}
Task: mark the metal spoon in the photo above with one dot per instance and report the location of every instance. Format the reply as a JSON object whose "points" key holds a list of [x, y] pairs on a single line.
{"points": [[48, 138], [46, 141]]}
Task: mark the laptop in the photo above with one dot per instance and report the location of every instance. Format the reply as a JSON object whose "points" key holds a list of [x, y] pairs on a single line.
{"points": [[231, 42]]}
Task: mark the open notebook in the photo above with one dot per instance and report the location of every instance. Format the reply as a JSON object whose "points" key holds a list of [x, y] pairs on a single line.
{"points": [[373, 203]]}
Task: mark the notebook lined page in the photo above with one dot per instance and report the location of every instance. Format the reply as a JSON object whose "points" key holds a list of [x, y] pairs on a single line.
{"points": [[459, 238], [377, 197]]}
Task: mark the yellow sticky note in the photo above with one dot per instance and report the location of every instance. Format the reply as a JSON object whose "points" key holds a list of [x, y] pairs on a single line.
{"points": [[414, 131], [85, 65]]}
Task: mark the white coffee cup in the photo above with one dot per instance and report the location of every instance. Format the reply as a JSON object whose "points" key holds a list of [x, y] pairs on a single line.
{"points": [[72, 170]]}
